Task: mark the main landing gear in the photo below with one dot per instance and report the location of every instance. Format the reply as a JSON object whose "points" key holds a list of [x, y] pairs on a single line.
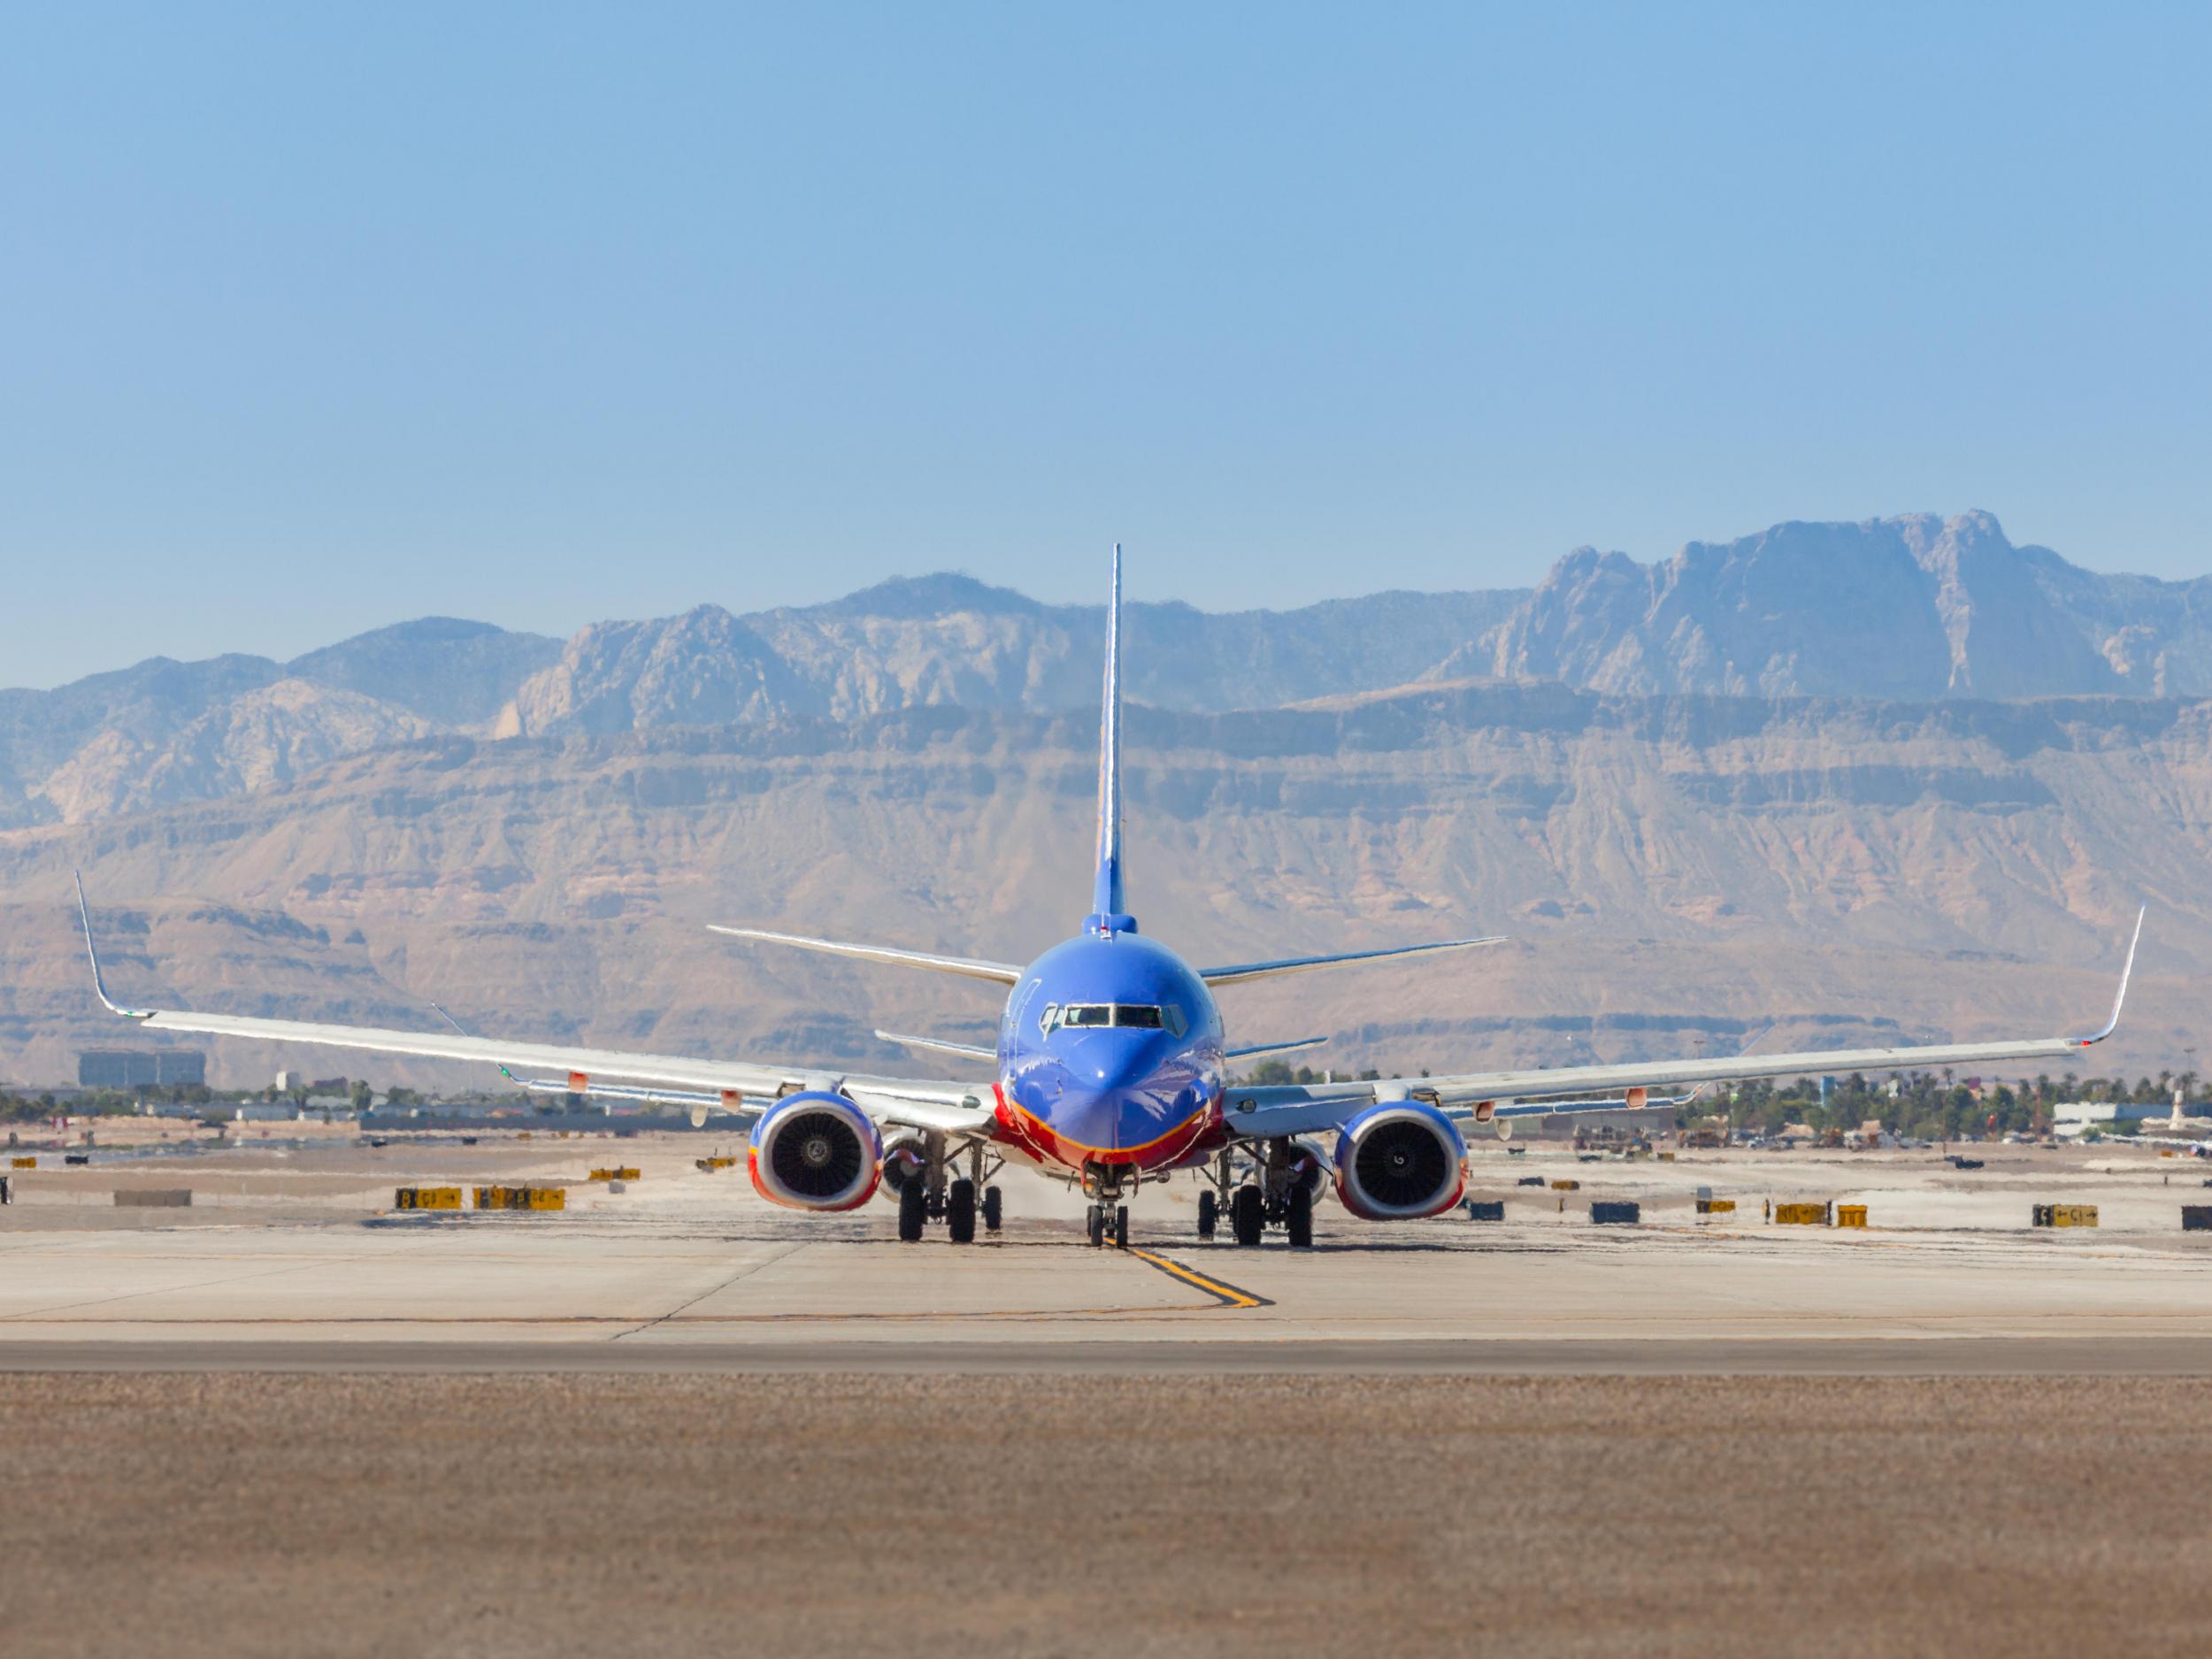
{"points": [[930, 1193], [1280, 1192]]}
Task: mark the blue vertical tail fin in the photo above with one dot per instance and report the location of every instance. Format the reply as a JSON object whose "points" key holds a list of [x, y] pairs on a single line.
{"points": [[1108, 912]]}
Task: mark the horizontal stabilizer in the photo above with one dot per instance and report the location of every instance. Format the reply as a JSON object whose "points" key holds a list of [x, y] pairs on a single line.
{"points": [[1239, 972], [1272, 1048], [965, 1050], [998, 972]]}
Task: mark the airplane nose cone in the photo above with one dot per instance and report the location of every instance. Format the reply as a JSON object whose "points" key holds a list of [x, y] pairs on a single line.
{"points": [[1118, 1106]]}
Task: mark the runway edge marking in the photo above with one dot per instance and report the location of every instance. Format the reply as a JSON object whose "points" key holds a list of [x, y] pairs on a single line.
{"points": [[1227, 1295]]}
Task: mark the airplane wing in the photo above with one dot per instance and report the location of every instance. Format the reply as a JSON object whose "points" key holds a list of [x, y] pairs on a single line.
{"points": [[1323, 1107], [955, 1107], [1293, 1110]]}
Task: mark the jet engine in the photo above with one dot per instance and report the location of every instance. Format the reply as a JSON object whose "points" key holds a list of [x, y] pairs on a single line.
{"points": [[1400, 1161], [905, 1158], [815, 1151]]}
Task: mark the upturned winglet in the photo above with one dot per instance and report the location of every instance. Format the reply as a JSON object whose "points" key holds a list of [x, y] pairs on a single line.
{"points": [[2120, 996], [99, 980]]}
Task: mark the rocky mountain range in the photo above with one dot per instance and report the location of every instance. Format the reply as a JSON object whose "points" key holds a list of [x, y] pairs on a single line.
{"points": [[1916, 607], [1889, 781]]}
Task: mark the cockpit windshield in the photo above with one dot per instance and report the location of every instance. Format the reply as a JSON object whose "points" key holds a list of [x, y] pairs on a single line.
{"points": [[1129, 1016]]}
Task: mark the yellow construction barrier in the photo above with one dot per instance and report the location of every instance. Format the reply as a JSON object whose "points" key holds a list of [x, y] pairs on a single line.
{"points": [[2066, 1215], [522, 1198], [1716, 1206], [24, 1164], [1800, 1215], [426, 1198], [1566, 1186], [711, 1165], [1850, 1214], [614, 1175]]}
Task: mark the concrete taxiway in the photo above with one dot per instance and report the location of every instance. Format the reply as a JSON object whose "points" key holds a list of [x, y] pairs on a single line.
{"points": [[292, 1257]]}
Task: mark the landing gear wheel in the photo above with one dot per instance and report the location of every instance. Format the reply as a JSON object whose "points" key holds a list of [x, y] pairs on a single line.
{"points": [[1208, 1214], [992, 1209], [913, 1209], [1246, 1216], [1121, 1227], [1097, 1222], [960, 1211], [1300, 1221]]}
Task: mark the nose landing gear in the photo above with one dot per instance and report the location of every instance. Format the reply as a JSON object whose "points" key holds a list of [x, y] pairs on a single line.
{"points": [[1108, 1217]]}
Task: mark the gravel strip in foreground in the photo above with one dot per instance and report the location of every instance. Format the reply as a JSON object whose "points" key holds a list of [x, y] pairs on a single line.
{"points": [[552, 1514]]}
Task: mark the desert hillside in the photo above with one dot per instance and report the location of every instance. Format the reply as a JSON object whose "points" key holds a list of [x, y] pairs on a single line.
{"points": [[1675, 871]]}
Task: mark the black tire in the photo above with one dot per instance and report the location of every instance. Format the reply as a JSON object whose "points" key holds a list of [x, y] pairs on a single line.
{"points": [[960, 1211], [1300, 1221], [1121, 1228], [1208, 1214], [913, 1211], [1095, 1222], [1246, 1216], [994, 1209]]}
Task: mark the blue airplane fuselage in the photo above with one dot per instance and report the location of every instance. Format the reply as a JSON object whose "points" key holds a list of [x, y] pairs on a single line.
{"points": [[1077, 1086]]}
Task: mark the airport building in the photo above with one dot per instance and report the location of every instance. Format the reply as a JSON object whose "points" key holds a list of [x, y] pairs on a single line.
{"points": [[2071, 1116], [141, 1068]]}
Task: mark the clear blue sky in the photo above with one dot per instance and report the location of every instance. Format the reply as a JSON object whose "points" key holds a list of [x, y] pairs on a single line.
{"points": [[319, 317]]}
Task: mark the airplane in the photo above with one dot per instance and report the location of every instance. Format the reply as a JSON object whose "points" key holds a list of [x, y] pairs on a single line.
{"points": [[1111, 1070]]}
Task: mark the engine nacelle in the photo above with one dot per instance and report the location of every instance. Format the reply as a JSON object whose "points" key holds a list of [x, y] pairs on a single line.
{"points": [[815, 1151], [905, 1158], [1400, 1161]]}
